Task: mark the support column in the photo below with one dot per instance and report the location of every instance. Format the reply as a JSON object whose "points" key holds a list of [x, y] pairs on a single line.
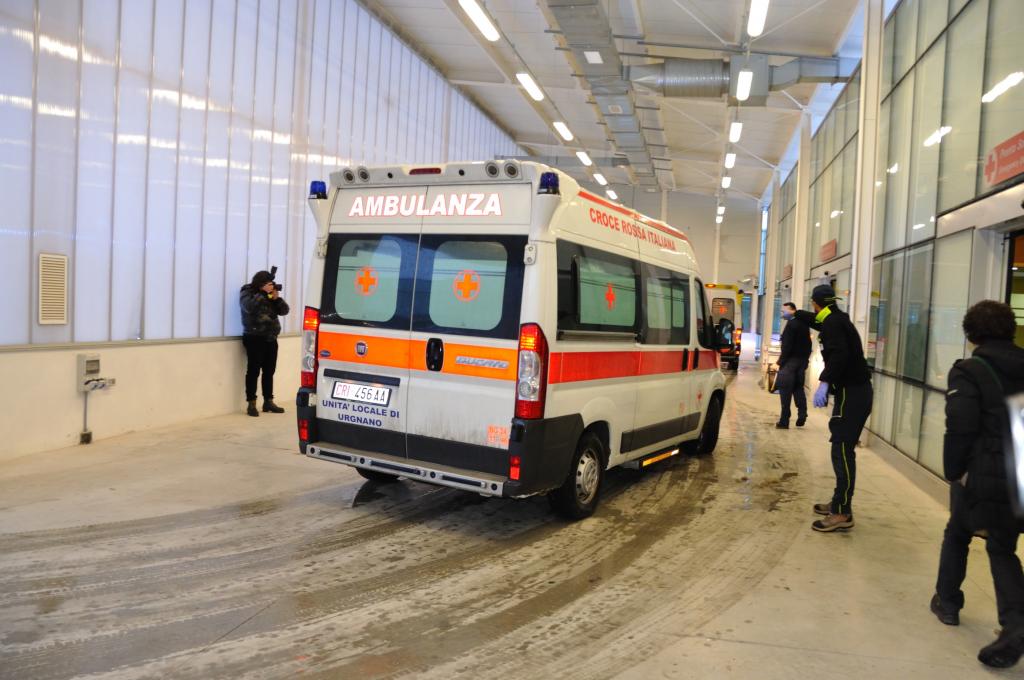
{"points": [[664, 206], [771, 273], [867, 168], [718, 250], [803, 207]]}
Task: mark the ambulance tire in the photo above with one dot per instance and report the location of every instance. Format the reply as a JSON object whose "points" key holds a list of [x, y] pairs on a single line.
{"points": [[379, 477], [707, 441], [578, 496]]}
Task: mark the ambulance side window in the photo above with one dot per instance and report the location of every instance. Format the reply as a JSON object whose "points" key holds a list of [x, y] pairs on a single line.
{"points": [[705, 327], [597, 291], [368, 280], [667, 296]]}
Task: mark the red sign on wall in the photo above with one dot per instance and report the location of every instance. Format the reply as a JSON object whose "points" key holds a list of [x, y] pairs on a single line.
{"points": [[828, 251], [1005, 160]]}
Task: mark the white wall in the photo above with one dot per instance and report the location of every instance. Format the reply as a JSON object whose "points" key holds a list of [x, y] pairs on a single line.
{"points": [[157, 385], [695, 215]]}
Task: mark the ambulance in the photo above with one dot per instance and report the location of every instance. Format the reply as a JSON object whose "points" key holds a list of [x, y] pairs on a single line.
{"points": [[726, 303], [494, 327]]}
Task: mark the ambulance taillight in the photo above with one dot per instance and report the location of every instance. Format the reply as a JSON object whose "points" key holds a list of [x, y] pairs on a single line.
{"points": [[531, 383], [310, 329]]}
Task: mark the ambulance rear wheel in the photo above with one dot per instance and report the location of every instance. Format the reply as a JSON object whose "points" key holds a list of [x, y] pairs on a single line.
{"points": [[708, 439], [578, 496], [374, 476]]}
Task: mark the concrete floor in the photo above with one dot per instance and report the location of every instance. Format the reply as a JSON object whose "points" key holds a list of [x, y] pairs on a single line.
{"points": [[216, 551]]}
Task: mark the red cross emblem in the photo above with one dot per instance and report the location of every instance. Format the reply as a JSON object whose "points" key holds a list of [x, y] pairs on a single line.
{"points": [[466, 285], [366, 282], [609, 296]]}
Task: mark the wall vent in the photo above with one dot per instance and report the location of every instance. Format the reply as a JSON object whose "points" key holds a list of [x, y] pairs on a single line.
{"points": [[53, 289]]}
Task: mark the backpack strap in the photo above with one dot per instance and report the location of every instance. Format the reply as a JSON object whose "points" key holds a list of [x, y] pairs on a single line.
{"points": [[992, 394]]}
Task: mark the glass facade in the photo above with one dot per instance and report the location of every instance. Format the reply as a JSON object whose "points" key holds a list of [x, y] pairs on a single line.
{"points": [[952, 92], [172, 164]]}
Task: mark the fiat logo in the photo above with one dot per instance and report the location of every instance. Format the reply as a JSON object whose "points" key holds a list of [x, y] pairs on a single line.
{"points": [[361, 348]]}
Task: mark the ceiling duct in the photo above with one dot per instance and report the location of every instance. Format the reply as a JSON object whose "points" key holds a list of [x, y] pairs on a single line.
{"points": [[682, 77], [585, 28]]}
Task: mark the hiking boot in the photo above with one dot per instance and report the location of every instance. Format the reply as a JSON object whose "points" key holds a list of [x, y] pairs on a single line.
{"points": [[1005, 651], [251, 410], [833, 523], [782, 425], [801, 421], [823, 509], [942, 613], [270, 407]]}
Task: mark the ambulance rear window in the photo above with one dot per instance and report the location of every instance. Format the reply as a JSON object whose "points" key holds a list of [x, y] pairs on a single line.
{"points": [[723, 308], [469, 285], [368, 280]]}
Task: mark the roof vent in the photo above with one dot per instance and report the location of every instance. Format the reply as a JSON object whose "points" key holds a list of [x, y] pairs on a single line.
{"points": [[53, 289]]}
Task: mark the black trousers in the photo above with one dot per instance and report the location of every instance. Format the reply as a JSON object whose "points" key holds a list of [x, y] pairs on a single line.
{"points": [[262, 355], [790, 382], [956, 541], [849, 415]]}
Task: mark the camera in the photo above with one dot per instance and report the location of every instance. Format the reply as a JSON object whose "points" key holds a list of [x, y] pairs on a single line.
{"points": [[273, 272]]}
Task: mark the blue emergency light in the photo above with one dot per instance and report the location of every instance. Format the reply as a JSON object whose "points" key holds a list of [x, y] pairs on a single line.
{"points": [[318, 189], [548, 183]]}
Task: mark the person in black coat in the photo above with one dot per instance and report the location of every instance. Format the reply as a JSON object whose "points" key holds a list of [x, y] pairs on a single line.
{"points": [[261, 305], [792, 363], [848, 378], [974, 461]]}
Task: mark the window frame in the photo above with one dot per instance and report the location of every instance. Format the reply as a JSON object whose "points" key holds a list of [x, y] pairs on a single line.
{"points": [[671, 335], [568, 282]]}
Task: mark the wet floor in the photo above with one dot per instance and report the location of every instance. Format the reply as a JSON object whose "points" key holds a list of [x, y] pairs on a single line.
{"points": [[358, 580]]}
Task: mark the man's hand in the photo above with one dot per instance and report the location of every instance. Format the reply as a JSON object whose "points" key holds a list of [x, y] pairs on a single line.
{"points": [[821, 396]]}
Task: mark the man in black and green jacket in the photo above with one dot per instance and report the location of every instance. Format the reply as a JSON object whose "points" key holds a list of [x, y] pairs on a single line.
{"points": [[848, 378]]}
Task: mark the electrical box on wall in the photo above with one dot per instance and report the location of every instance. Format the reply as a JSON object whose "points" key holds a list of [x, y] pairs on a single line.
{"points": [[89, 378]]}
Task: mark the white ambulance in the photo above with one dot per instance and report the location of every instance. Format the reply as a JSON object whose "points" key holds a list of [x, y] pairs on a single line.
{"points": [[494, 327]]}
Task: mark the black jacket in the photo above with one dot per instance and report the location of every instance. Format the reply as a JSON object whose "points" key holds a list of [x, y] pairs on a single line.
{"points": [[796, 343], [841, 348], [259, 313], [973, 443]]}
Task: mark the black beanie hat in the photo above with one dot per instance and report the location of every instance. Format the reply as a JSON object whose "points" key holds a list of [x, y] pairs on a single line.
{"points": [[824, 295], [261, 278]]}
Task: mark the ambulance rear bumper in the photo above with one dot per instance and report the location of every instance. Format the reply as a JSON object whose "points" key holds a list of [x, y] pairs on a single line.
{"points": [[467, 480]]}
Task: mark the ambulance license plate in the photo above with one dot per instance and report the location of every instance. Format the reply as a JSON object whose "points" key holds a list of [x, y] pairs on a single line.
{"points": [[364, 393]]}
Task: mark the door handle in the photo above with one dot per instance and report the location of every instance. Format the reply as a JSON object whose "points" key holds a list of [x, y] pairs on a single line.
{"points": [[686, 359], [435, 354]]}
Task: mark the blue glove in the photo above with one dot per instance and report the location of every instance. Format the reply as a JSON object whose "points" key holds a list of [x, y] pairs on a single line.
{"points": [[821, 396]]}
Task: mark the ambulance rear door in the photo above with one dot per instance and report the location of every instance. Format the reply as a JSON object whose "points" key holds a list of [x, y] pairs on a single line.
{"points": [[465, 326], [365, 316]]}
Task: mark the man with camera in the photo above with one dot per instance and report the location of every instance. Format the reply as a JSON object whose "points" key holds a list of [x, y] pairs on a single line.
{"points": [[261, 304]]}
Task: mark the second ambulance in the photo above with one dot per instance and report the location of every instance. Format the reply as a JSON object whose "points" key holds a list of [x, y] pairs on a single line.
{"points": [[496, 328]]}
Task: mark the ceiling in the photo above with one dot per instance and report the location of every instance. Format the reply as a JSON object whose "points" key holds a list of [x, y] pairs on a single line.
{"points": [[691, 133]]}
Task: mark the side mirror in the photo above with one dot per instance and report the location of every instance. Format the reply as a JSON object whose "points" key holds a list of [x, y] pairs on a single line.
{"points": [[724, 334]]}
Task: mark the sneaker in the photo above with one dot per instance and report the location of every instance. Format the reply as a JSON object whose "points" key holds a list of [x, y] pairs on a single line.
{"points": [[950, 618], [1005, 651], [801, 421], [833, 523], [823, 509], [781, 425], [251, 409], [270, 407]]}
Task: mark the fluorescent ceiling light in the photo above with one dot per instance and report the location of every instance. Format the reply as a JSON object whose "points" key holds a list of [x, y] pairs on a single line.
{"points": [[1002, 86], [584, 158], [718, 220], [593, 57], [612, 195], [480, 18], [530, 85], [936, 137], [563, 130], [730, 160], [743, 82], [735, 130], [758, 15], [835, 213], [726, 181], [721, 210], [894, 169], [599, 178], [918, 226]]}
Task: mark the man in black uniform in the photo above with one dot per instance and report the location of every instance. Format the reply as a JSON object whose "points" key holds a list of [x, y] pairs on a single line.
{"points": [[792, 363], [848, 377], [974, 462]]}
